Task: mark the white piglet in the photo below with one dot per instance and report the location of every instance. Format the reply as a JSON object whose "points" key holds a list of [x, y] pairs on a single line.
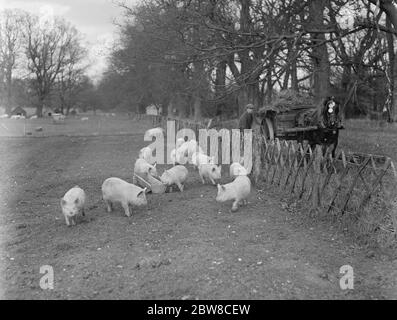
{"points": [[199, 158], [73, 203], [236, 169], [181, 154], [116, 190], [146, 154], [176, 175], [192, 147], [179, 142], [155, 131], [238, 191], [210, 172], [173, 156]]}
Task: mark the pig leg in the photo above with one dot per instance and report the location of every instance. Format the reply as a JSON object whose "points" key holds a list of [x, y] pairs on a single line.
{"points": [[108, 205], [126, 208], [213, 181], [243, 202], [180, 186], [83, 212], [73, 219], [67, 220], [202, 178], [235, 205]]}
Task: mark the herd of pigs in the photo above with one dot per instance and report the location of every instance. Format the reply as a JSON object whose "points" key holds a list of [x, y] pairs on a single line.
{"points": [[116, 190]]}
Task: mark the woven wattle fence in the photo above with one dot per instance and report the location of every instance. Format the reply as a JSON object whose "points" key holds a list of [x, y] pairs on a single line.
{"points": [[356, 188]]}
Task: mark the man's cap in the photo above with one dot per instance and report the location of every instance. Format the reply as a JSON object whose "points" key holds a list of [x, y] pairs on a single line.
{"points": [[250, 106]]}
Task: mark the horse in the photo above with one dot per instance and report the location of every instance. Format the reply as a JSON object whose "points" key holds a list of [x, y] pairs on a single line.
{"points": [[328, 125]]}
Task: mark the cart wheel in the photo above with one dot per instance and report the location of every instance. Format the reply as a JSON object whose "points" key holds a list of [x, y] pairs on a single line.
{"points": [[267, 129]]}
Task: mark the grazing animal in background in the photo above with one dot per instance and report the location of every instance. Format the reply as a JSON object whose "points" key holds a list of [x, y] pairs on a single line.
{"points": [[143, 168], [146, 154], [84, 119], [176, 175], [72, 204], [238, 191], [236, 169], [116, 190], [155, 131], [210, 172]]}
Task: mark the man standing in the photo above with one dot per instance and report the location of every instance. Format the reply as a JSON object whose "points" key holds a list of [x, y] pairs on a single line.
{"points": [[247, 118]]}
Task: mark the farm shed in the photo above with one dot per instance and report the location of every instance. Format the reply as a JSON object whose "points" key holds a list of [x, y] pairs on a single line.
{"points": [[18, 111]]}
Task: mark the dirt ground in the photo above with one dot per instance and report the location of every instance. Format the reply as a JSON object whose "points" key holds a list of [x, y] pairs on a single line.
{"points": [[181, 246]]}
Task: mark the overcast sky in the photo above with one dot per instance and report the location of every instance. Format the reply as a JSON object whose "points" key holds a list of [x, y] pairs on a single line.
{"points": [[93, 18]]}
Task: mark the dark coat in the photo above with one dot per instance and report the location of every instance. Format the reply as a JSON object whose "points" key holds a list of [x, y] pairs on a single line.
{"points": [[245, 121]]}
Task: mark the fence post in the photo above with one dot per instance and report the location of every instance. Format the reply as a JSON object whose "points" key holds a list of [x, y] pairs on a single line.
{"points": [[316, 200], [256, 155]]}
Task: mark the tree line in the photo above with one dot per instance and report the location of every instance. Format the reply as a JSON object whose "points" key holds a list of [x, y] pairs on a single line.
{"points": [[41, 63], [204, 58]]}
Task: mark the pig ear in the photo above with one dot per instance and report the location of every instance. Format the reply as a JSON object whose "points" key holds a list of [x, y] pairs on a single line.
{"points": [[145, 190], [76, 201], [223, 188], [63, 202], [155, 164], [213, 169]]}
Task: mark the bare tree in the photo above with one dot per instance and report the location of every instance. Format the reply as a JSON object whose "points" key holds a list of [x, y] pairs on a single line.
{"points": [[48, 49], [389, 7], [71, 76], [10, 45]]}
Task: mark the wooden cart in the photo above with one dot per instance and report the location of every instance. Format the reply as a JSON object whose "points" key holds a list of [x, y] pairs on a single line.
{"points": [[302, 122]]}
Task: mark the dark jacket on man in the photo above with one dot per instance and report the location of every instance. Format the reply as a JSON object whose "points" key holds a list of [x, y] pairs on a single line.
{"points": [[245, 121]]}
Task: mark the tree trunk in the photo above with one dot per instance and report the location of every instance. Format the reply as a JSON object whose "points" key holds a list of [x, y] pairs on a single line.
{"points": [[269, 82], [220, 79], [321, 66], [8, 106], [245, 26], [393, 106], [197, 108], [294, 72], [39, 109], [392, 70], [181, 107], [242, 99], [391, 12]]}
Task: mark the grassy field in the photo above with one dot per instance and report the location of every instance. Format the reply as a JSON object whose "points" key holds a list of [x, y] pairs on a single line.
{"points": [[181, 246], [370, 137], [95, 125]]}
